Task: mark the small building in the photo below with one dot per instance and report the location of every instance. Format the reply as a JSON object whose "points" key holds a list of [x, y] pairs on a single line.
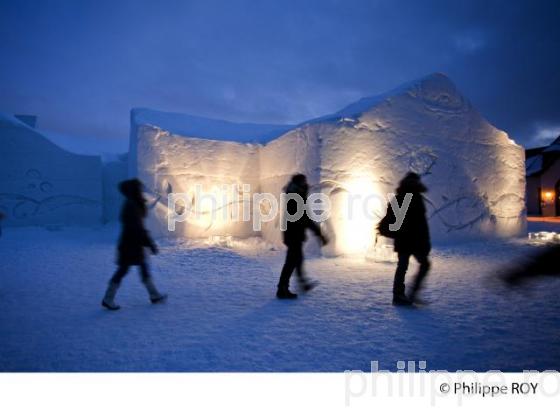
{"points": [[543, 179]]}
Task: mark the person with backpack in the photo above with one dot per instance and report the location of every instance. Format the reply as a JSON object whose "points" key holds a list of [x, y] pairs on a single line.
{"points": [[411, 239], [134, 238]]}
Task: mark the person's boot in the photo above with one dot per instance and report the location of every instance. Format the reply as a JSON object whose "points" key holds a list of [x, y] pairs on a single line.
{"points": [[284, 293], [413, 297], [307, 285], [155, 296], [109, 298], [400, 299]]}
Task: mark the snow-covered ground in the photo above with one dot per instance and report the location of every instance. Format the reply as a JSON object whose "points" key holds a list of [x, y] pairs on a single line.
{"points": [[222, 314]]}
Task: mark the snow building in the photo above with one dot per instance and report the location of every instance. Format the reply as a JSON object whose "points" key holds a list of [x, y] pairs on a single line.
{"points": [[475, 172], [43, 184]]}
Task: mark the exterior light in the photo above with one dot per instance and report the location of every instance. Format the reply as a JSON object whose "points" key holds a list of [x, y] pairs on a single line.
{"points": [[547, 196]]}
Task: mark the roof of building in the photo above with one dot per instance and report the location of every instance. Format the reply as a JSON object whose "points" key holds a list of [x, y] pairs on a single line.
{"points": [[539, 160]]}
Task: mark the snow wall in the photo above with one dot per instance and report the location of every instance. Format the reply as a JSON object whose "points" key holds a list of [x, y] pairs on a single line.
{"points": [[173, 164], [475, 173], [114, 170], [42, 184]]}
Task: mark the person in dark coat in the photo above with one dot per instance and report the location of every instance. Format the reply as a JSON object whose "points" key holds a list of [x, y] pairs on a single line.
{"points": [[134, 238], [412, 239], [542, 263], [294, 238]]}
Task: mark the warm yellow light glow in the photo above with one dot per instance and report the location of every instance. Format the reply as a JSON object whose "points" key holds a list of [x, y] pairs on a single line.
{"points": [[209, 207], [548, 195], [361, 204], [219, 210]]}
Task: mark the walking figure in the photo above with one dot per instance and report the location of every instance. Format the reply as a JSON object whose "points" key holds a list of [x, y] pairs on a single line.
{"points": [[134, 238], [411, 239], [294, 237], [543, 263]]}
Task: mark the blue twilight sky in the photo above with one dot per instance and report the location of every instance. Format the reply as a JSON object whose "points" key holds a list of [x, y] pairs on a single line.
{"points": [[82, 65]]}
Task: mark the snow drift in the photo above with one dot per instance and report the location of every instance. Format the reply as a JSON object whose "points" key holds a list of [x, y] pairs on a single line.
{"points": [[475, 172]]}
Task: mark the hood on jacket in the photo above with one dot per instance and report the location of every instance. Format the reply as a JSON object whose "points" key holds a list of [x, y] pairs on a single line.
{"points": [[131, 188], [297, 185], [411, 183]]}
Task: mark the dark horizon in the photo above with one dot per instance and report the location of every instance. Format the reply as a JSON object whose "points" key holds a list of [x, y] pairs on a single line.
{"points": [[81, 66]]}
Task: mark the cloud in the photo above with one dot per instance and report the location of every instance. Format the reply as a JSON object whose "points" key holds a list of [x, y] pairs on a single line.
{"points": [[544, 134], [470, 41], [81, 66]]}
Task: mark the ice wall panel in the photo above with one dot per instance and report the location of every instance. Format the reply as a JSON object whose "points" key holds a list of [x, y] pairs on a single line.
{"points": [[42, 184], [211, 174], [296, 152]]}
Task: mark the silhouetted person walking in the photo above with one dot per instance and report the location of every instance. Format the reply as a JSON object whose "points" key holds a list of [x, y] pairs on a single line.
{"points": [[412, 239], [542, 263], [294, 238], [134, 238]]}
